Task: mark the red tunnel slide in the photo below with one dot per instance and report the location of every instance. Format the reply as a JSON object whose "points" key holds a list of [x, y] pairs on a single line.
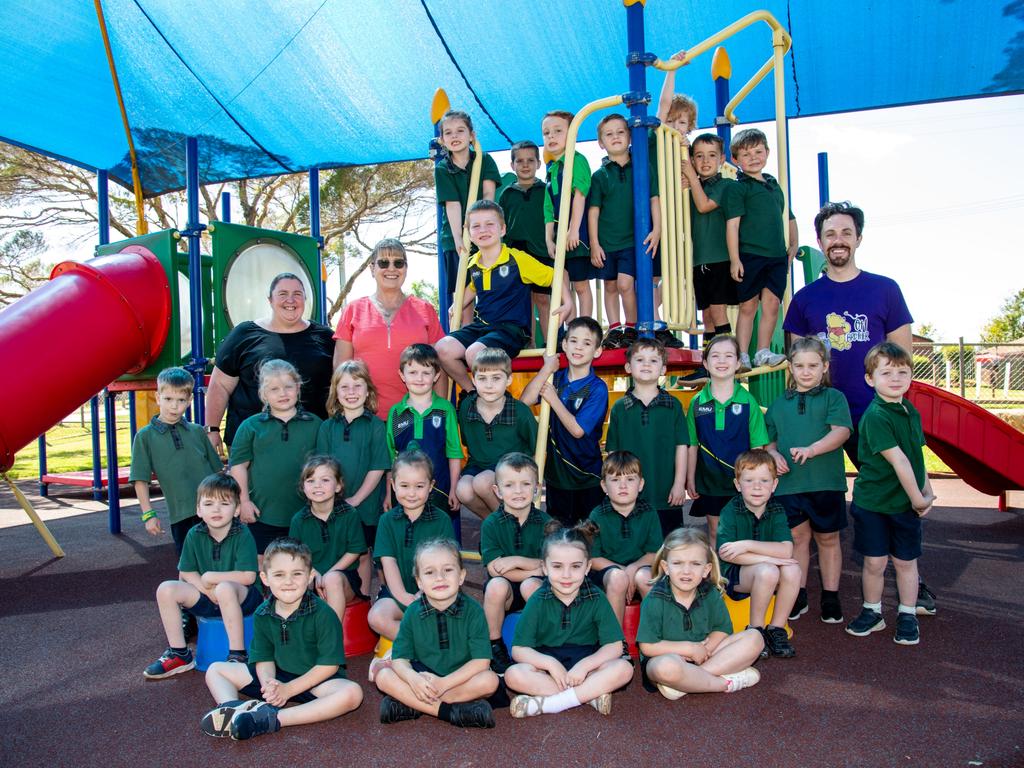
{"points": [[67, 340]]}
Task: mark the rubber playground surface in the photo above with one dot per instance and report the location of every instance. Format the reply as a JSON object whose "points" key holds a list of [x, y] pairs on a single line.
{"points": [[76, 633]]}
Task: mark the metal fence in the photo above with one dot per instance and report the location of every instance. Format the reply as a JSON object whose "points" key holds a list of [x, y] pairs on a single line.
{"points": [[988, 374]]}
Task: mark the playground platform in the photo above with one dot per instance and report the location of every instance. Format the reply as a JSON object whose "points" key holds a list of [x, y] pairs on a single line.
{"points": [[76, 633]]}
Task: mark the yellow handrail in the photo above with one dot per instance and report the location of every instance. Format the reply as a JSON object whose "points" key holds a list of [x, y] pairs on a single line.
{"points": [[678, 303], [561, 238], [460, 287]]}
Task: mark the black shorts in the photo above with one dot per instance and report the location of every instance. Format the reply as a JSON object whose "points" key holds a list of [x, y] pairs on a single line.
{"points": [[451, 270], [596, 575], [252, 690], [518, 603], [670, 519], [851, 447], [507, 336], [205, 608], [569, 506], [826, 510], [264, 534], [370, 534], [760, 273], [708, 506], [498, 700], [179, 531], [713, 284], [649, 685], [472, 470], [878, 535], [355, 581], [384, 592]]}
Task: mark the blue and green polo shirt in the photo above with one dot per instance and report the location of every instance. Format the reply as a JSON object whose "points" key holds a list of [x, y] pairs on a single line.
{"points": [[721, 432], [435, 432]]}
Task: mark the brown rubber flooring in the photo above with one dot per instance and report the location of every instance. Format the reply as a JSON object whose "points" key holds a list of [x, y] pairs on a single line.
{"points": [[76, 633]]}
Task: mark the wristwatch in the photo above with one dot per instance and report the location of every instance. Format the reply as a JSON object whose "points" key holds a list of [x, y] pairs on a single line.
{"points": [[209, 429]]}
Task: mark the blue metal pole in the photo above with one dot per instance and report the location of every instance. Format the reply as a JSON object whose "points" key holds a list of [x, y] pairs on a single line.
{"points": [[133, 424], [103, 217], [194, 234], [225, 207], [113, 481], [822, 178], [314, 231], [436, 153], [44, 489], [637, 100]]}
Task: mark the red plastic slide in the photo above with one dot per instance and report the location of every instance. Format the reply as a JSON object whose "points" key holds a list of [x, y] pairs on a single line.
{"points": [[985, 451], [66, 341]]}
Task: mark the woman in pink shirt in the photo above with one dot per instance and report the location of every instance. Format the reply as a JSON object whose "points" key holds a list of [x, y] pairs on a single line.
{"points": [[376, 328]]}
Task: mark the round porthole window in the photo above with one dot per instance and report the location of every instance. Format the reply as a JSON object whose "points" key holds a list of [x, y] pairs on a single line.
{"points": [[248, 275]]}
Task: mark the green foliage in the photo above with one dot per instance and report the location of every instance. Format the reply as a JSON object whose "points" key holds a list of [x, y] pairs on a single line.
{"points": [[425, 290], [21, 268], [1008, 324]]}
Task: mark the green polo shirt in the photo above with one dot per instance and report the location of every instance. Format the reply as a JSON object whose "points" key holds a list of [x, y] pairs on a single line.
{"points": [[398, 537], [662, 617], [331, 539], [587, 620], [360, 446], [883, 426], [310, 637], [513, 429], [722, 431], [524, 217], [276, 451], [624, 539], [580, 183], [501, 535], [759, 206], [650, 432], [611, 190], [443, 641], [708, 229], [797, 419], [738, 523], [452, 185], [201, 553], [180, 455]]}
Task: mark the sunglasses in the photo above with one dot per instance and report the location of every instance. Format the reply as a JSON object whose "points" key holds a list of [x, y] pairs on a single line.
{"points": [[384, 263]]}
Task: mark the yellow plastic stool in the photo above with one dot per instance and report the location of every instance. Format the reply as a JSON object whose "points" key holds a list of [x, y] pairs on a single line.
{"points": [[739, 612], [383, 646]]}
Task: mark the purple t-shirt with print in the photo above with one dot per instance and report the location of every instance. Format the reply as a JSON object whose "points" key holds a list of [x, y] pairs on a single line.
{"points": [[850, 318]]}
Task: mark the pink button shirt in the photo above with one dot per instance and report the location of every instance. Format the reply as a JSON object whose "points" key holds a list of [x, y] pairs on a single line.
{"points": [[379, 347]]}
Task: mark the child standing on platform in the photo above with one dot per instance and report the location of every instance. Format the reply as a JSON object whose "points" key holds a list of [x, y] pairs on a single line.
{"points": [[724, 421], [510, 541], [358, 440], [651, 423], [173, 449], [685, 635], [268, 452], [808, 426], [441, 657], [567, 645], [332, 531]]}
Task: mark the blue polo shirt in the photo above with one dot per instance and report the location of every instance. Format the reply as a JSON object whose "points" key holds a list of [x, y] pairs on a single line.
{"points": [[502, 289], [574, 463], [435, 432], [721, 432]]}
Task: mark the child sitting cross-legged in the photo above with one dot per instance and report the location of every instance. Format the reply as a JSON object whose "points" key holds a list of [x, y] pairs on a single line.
{"points": [[441, 657], [297, 657]]}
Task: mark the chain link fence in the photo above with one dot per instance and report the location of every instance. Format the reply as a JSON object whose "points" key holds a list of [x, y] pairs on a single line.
{"points": [[991, 375]]}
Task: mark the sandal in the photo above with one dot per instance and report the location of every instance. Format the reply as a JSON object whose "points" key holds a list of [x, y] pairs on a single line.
{"points": [[526, 706]]}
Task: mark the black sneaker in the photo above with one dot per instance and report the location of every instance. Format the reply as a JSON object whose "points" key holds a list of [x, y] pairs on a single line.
{"points": [[239, 657], [696, 379], [629, 335], [613, 339], [394, 711], [831, 608], [925, 600], [869, 621], [668, 339], [189, 626], [800, 606], [217, 722], [256, 721], [765, 653], [907, 630], [472, 714], [778, 644], [500, 660]]}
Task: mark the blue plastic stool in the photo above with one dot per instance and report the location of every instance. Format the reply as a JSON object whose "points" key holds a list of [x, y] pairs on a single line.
{"points": [[508, 628], [212, 643]]}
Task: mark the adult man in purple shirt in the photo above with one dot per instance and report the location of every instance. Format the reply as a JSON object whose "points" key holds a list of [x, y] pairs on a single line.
{"points": [[851, 311]]}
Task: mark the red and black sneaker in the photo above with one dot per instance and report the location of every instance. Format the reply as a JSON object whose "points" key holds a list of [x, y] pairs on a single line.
{"points": [[170, 663]]}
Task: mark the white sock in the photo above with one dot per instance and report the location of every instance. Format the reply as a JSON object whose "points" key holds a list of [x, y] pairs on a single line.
{"points": [[560, 702], [911, 609], [876, 607]]}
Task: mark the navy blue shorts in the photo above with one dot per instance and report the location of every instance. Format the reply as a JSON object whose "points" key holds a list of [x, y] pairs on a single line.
{"points": [[708, 506], [570, 505], [472, 470], [760, 273], [596, 576], [252, 690], [385, 592], [618, 263], [826, 510], [878, 535], [649, 685], [264, 534], [568, 655], [507, 336], [370, 534], [205, 608], [580, 269], [713, 284]]}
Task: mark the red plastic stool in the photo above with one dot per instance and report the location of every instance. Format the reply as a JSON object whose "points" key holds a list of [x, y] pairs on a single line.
{"points": [[359, 638], [630, 624]]}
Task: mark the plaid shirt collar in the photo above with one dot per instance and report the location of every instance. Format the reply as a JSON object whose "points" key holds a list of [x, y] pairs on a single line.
{"points": [[454, 610], [307, 606], [663, 589], [429, 513], [340, 508], [506, 416], [769, 180], [641, 507], [234, 530], [301, 414], [772, 508], [587, 592], [163, 427], [533, 516], [662, 400]]}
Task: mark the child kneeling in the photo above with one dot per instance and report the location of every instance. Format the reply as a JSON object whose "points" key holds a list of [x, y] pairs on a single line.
{"points": [[297, 657], [441, 658], [685, 633]]}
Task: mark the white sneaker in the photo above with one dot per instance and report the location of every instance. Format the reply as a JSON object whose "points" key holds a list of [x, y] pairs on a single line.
{"points": [[744, 363], [745, 678], [767, 357], [670, 693], [378, 663]]}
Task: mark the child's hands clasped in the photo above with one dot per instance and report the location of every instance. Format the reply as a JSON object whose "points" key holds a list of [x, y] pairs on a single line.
{"points": [[558, 674], [275, 693], [424, 687], [576, 676]]}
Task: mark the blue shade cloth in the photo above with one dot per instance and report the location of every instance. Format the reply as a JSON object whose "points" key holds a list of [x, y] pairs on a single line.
{"points": [[288, 85]]}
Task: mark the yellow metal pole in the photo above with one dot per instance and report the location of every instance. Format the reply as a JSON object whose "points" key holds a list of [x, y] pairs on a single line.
{"points": [[706, 45], [780, 44], [460, 286], [667, 243], [561, 237], [34, 517]]}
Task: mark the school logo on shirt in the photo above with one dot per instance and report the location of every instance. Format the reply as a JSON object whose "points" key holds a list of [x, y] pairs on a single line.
{"points": [[402, 423], [503, 270], [475, 275], [706, 409], [844, 330], [737, 409], [577, 403], [435, 420]]}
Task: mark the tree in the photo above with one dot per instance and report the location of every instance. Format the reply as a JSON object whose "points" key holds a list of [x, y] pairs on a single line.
{"points": [[427, 291], [21, 269], [1008, 324]]}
